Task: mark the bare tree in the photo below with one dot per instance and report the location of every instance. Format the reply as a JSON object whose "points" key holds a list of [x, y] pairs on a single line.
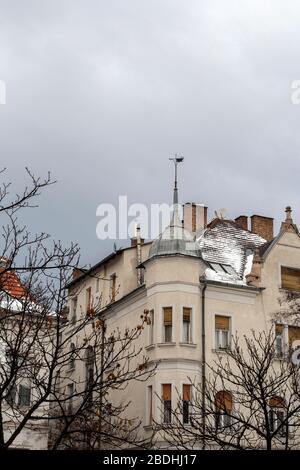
{"points": [[39, 347], [250, 400]]}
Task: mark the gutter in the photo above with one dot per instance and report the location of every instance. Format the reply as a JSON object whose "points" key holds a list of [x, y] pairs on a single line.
{"points": [[232, 285]]}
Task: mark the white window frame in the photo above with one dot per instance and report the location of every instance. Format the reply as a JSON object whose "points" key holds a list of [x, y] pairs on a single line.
{"points": [[74, 302], [191, 400], [163, 326], [276, 422], [191, 339], [149, 391], [231, 329], [162, 401], [151, 331]]}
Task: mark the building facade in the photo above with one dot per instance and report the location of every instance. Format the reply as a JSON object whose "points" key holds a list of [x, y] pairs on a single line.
{"points": [[201, 283]]}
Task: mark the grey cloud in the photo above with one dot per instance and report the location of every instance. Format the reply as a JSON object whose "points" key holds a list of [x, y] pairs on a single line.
{"points": [[103, 92]]}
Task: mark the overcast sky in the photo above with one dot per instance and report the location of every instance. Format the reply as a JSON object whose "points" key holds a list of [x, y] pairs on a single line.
{"points": [[102, 92]]}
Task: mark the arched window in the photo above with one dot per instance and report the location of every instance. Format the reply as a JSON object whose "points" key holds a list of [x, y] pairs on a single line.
{"points": [[277, 414], [224, 404]]}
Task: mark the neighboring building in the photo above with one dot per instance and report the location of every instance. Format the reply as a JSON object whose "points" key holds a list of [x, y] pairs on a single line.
{"points": [[201, 282], [19, 396]]}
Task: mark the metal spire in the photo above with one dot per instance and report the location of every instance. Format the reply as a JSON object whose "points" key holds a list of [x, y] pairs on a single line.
{"points": [[176, 160], [175, 219]]}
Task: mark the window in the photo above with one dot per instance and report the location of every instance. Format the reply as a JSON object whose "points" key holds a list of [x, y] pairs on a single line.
{"points": [[97, 284], [113, 281], [186, 399], [150, 405], [277, 415], [167, 311], [24, 395], [222, 330], [223, 409], [74, 309], [279, 339], [294, 334], [221, 268], [151, 327], [88, 300], [167, 403], [70, 395], [228, 269], [72, 356], [186, 325], [110, 352], [290, 278], [89, 367], [11, 395]]}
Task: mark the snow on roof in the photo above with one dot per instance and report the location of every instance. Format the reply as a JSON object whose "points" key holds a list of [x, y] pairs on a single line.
{"points": [[223, 242]]}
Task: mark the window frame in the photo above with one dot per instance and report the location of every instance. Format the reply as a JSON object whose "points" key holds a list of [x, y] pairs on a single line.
{"points": [[164, 336], [218, 332], [191, 324], [166, 405]]}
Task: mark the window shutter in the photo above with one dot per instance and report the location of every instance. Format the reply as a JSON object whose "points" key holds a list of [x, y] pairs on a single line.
{"points": [[224, 400], [277, 402], [222, 323], [187, 314], [186, 392], [278, 329], [290, 278], [294, 334], [166, 392], [167, 316]]}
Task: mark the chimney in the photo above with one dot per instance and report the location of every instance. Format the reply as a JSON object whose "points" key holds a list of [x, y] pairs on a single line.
{"points": [[242, 222], [262, 226], [194, 216]]}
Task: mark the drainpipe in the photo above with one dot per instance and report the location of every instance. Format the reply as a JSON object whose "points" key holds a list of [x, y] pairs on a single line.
{"points": [[203, 368], [139, 255]]}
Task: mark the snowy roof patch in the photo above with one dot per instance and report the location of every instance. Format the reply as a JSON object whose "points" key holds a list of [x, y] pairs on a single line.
{"points": [[229, 250]]}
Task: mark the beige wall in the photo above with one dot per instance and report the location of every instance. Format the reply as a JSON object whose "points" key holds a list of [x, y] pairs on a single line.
{"points": [[174, 281]]}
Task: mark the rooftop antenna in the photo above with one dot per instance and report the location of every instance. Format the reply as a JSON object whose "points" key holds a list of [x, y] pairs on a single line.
{"points": [[176, 160]]}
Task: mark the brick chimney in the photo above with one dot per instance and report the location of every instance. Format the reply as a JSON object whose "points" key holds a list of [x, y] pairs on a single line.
{"points": [[194, 216], [242, 222], [262, 226]]}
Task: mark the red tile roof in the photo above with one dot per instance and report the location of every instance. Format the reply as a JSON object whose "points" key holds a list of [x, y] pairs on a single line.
{"points": [[11, 284]]}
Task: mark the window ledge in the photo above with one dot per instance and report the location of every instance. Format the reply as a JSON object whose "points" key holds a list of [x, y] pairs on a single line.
{"points": [[282, 357], [148, 427], [221, 351], [150, 346], [162, 345], [189, 345], [291, 291]]}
